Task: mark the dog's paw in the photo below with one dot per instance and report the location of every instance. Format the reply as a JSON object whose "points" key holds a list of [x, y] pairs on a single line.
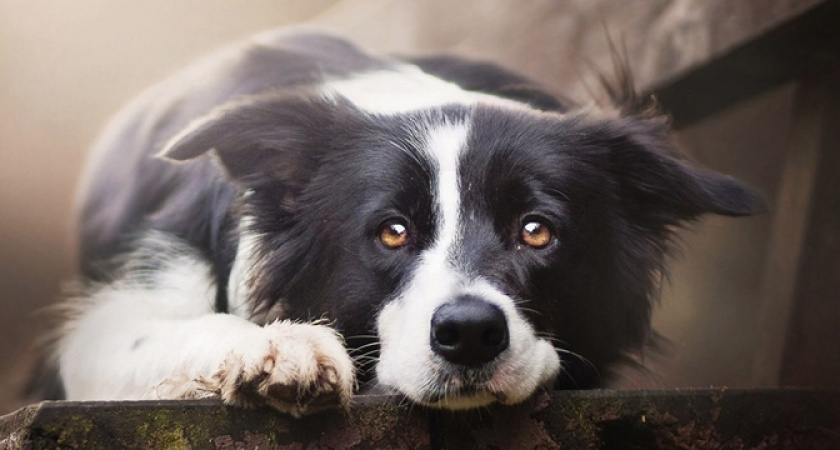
{"points": [[298, 368]]}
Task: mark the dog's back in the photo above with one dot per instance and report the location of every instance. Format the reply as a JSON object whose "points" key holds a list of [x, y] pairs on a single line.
{"points": [[126, 190]]}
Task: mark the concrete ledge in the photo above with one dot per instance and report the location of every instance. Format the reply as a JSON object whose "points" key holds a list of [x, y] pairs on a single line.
{"points": [[737, 419]]}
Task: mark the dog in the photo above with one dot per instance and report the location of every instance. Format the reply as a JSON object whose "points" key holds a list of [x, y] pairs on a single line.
{"points": [[293, 220]]}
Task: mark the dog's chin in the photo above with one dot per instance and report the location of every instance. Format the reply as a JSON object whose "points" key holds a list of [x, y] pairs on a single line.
{"points": [[462, 400], [447, 397], [434, 383], [440, 397], [454, 392]]}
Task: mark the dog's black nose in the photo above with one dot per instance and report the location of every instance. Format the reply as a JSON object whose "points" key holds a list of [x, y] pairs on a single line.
{"points": [[469, 331]]}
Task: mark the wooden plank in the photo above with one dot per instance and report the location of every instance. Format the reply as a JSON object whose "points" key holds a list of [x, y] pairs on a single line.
{"points": [[803, 45], [792, 210], [811, 354], [698, 55], [374, 422], [776, 419], [681, 419]]}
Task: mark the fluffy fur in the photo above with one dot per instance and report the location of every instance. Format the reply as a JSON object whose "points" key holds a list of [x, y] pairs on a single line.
{"points": [[232, 218]]}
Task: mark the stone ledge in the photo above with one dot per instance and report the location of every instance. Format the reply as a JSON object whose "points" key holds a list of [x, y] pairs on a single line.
{"points": [[780, 418]]}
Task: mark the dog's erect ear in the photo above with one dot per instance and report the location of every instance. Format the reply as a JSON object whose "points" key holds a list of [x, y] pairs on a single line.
{"points": [[277, 137], [653, 178], [661, 185]]}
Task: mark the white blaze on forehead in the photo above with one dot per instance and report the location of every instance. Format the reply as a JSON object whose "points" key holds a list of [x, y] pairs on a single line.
{"points": [[445, 144], [436, 280]]}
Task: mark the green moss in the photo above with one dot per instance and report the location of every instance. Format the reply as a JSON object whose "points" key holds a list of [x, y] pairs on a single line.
{"points": [[164, 428], [73, 430], [169, 439], [580, 415]]}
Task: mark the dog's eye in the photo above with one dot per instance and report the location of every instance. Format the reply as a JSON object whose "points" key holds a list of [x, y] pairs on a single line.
{"points": [[535, 233], [393, 233]]}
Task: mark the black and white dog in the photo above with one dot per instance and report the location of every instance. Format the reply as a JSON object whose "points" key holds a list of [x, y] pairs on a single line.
{"points": [[252, 225]]}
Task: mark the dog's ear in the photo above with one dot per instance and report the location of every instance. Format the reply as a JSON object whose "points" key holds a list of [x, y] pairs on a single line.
{"points": [[277, 137], [655, 181], [652, 176]]}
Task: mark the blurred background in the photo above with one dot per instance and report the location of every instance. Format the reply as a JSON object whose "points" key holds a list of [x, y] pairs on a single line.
{"points": [[752, 87]]}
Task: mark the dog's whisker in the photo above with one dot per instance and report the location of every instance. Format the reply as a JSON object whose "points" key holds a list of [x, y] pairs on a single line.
{"points": [[529, 310], [581, 358], [362, 336], [366, 346]]}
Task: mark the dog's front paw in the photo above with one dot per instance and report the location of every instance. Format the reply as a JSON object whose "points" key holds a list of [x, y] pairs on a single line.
{"points": [[299, 368]]}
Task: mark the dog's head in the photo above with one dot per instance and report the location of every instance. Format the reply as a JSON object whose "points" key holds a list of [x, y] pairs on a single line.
{"points": [[486, 246]]}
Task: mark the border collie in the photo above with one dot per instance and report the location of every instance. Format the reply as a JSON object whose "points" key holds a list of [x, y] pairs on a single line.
{"points": [[293, 218]]}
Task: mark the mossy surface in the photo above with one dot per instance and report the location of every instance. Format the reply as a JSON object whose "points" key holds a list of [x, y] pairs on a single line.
{"points": [[716, 419]]}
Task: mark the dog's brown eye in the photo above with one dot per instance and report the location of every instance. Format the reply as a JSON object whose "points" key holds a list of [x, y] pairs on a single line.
{"points": [[393, 233], [535, 234]]}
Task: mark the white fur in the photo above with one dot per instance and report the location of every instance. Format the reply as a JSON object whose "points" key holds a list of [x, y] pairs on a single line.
{"points": [[157, 336], [407, 362], [242, 278], [121, 343], [445, 145], [241, 273], [398, 91], [406, 89]]}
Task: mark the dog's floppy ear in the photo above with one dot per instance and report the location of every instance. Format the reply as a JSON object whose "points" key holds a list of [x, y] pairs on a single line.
{"points": [[654, 180], [269, 138]]}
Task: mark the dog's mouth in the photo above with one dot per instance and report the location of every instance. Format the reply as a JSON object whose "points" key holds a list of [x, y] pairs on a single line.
{"points": [[439, 384], [454, 387], [457, 388], [461, 396]]}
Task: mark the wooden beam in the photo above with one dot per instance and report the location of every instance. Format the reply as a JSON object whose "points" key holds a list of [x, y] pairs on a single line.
{"points": [[571, 419], [805, 44], [814, 121], [811, 354], [556, 42]]}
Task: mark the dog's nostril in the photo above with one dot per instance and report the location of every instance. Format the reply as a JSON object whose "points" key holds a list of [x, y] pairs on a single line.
{"points": [[446, 335], [494, 336], [469, 331]]}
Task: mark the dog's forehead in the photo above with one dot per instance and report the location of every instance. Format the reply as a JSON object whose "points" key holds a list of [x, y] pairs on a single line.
{"points": [[469, 151], [432, 134]]}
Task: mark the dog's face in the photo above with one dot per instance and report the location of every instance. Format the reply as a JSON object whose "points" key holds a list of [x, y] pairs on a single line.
{"points": [[485, 246]]}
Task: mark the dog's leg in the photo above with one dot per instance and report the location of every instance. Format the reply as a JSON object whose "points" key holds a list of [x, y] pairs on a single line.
{"points": [[163, 341]]}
